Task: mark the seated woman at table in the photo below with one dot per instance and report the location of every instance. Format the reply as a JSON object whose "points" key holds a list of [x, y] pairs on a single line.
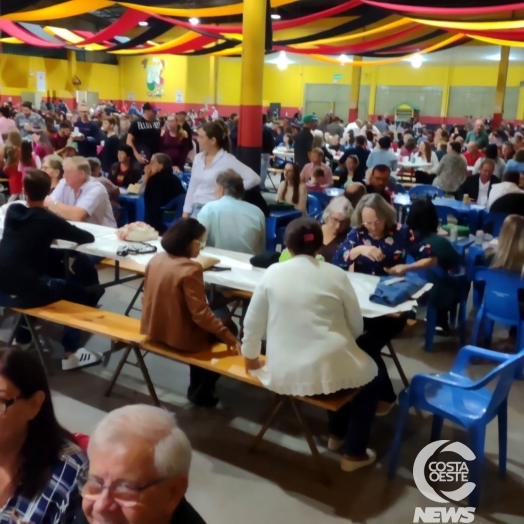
{"points": [[42, 467], [452, 170], [336, 219], [317, 351], [289, 143], [175, 310], [426, 155], [378, 246], [292, 190], [124, 173], [423, 220], [52, 165], [162, 186], [509, 253]]}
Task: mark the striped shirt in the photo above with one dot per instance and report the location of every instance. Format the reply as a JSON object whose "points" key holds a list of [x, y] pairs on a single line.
{"points": [[57, 503]]}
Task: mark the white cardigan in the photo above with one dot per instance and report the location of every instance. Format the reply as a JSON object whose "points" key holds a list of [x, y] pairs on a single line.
{"points": [[311, 315], [201, 188]]}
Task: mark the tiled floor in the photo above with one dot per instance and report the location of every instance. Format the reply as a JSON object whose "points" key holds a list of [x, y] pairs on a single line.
{"points": [[278, 484]]}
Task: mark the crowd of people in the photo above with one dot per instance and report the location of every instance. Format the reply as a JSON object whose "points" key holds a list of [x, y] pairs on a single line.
{"points": [[137, 471]]}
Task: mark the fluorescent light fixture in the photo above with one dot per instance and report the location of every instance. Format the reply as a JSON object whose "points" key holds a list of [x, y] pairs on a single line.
{"points": [[343, 59], [282, 61], [143, 23], [416, 61], [275, 16], [194, 21]]}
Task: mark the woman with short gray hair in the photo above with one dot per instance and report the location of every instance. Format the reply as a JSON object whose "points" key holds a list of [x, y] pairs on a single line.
{"points": [[336, 219], [378, 245]]}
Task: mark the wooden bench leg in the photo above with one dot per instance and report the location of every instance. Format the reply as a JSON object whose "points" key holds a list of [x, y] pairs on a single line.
{"points": [[317, 459], [393, 355], [134, 299], [145, 373], [117, 371], [279, 402]]}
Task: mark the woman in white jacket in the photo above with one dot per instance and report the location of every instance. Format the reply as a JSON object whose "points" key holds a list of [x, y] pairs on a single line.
{"points": [[312, 318]]}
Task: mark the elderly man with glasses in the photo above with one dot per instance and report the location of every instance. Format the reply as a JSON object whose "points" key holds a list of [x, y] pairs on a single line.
{"points": [[138, 470]]}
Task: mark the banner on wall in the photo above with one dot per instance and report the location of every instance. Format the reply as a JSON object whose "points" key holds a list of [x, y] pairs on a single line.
{"points": [[179, 98], [131, 97], [154, 76], [40, 81]]}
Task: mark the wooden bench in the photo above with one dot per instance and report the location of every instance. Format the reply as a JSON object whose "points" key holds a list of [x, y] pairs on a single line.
{"points": [[227, 363]]}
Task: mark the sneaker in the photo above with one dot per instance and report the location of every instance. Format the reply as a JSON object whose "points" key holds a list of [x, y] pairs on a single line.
{"points": [[80, 359], [352, 465], [334, 444]]}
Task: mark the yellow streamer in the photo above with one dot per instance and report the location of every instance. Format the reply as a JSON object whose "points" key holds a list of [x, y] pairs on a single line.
{"points": [[384, 28], [184, 39], [386, 61], [472, 26], [11, 40], [205, 12], [497, 41], [65, 10]]}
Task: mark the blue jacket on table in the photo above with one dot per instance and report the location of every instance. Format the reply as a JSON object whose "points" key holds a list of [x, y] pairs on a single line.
{"points": [[395, 245]]}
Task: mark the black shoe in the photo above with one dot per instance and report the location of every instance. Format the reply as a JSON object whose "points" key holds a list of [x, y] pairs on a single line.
{"points": [[203, 400]]}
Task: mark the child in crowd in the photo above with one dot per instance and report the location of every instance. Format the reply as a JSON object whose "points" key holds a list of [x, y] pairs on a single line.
{"points": [[317, 181], [18, 160]]}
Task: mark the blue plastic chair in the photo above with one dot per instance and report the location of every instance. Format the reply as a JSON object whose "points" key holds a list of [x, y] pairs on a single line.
{"points": [[425, 190], [271, 232], [280, 237], [468, 403], [322, 198], [400, 189], [173, 210], [140, 214], [500, 304], [493, 223], [314, 207]]}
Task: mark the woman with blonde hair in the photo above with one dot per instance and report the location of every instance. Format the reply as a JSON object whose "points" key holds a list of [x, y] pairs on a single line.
{"points": [[509, 254]]}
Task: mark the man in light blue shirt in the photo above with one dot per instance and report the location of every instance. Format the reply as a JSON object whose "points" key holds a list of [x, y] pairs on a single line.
{"points": [[230, 222], [383, 156]]}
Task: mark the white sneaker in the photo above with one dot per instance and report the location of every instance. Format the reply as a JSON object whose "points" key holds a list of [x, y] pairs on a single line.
{"points": [[81, 358], [353, 465]]}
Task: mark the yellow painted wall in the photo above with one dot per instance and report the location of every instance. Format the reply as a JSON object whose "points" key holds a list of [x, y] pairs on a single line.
{"points": [[199, 90], [18, 73]]}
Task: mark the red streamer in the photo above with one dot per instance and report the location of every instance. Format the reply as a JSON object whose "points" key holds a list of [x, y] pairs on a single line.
{"points": [[446, 10], [14, 30]]}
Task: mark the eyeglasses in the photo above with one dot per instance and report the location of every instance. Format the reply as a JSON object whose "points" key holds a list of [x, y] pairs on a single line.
{"points": [[122, 493], [338, 220], [201, 244], [5, 403], [373, 223]]}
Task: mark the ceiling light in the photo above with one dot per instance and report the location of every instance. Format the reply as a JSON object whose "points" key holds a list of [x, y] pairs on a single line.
{"points": [[194, 21], [282, 61], [143, 23], [416, 61], [343, 59], [275, 16]]}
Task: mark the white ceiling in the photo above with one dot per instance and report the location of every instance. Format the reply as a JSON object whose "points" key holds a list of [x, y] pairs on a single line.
{"points": [[467, 54]]}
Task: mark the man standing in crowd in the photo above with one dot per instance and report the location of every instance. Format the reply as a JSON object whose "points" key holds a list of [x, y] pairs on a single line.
{"points": [[230, 222], [134, 449], [335, 128], [29, 122], [472, 154], [304, 141], [144, 134], [381, 124], [478, 135], [89, 137], [268, 144]]}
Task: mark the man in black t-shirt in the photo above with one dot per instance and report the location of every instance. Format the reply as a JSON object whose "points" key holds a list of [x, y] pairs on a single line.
{"points": [[144, 135]]}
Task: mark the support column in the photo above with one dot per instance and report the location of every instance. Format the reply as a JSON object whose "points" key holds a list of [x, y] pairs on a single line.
{"points": [[253, 52], [356, 76], [444, 105], [213, 74], [372, 93], [501, 87], [71, 73]]}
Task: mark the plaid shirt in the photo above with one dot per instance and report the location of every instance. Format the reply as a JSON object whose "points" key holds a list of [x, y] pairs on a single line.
{"points": [[57, 503]]}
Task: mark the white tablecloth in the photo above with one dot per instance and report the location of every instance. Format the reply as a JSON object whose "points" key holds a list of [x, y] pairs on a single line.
{"points": [[414, 165]]}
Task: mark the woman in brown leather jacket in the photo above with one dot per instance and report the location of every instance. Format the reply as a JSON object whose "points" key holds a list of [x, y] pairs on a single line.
{"points": [[175, 309]]}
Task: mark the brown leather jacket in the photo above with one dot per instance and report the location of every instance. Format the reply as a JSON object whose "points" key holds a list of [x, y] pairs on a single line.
{"points": [[174, 308]]}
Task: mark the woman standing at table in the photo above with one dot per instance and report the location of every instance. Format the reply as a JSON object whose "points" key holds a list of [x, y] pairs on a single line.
{"points": [[175, 308], [452, 169], [175, 143], [213, 158], [423, 220], [379, 246], [317, 351], [292, 190]]}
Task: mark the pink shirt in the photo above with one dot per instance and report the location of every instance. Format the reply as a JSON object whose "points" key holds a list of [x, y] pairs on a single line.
{"points": [[6, 126], [307, 173]]}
